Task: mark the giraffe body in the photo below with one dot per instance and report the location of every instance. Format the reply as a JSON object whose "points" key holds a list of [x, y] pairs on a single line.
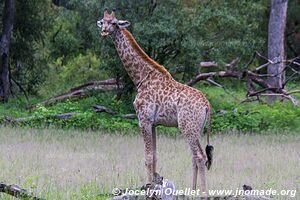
{"points": [[160, 99]]}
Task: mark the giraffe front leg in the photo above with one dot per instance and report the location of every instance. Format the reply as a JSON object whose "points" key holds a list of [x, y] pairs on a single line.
{"points": [[146, 131], [198, 165]]}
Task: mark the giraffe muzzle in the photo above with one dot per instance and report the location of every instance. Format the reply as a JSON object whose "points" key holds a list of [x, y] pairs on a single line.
{"points": [[104, 33]]}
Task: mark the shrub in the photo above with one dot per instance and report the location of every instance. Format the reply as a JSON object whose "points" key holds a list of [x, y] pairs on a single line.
{"points": [[227, 115]]}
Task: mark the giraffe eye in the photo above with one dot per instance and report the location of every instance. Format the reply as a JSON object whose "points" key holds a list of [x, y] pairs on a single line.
{"points": [[99, 23]]}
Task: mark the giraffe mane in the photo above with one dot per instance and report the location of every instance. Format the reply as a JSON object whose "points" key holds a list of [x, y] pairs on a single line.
{"points": [[143, 55]]}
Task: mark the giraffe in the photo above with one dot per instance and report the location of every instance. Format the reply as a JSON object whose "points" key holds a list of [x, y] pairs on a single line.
{"points": [[161, 100]]}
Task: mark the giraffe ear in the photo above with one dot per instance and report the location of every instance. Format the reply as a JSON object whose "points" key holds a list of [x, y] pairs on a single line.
{"points": [[123, 23]]}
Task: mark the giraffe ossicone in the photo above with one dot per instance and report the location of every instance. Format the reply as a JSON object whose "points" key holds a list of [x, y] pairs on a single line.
{"points": [[161, 100]]}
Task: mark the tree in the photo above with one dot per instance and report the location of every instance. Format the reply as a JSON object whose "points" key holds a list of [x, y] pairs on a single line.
{"points": [[276, 44], [4, 49]]}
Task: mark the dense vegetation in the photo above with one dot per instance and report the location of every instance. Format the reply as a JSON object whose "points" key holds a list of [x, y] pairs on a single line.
{"points": [[57, 46], [227, 115]]}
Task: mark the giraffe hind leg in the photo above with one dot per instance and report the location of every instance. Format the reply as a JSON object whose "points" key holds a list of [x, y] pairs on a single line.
{"points": [[198, 164], [195, 173], [154, 149], [201, 167], [191, 125]]}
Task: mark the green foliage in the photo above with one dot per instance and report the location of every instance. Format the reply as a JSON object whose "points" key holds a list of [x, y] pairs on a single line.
{"points": [[78, 70], [85, 117], [257, 118], [228, 114], [29, 54], [57, 48], [293, 29], [63, 40], [177, 34]]}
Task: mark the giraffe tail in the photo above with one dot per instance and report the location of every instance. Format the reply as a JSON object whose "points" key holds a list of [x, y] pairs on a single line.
{"points": [[209, 148]]}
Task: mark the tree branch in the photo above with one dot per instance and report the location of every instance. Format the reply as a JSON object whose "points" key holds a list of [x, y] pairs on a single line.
{"points": [[252, 77], [84, 90], [17, 192]]}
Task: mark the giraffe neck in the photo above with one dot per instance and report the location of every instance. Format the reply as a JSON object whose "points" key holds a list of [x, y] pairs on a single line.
{"points": [[139, 66]]}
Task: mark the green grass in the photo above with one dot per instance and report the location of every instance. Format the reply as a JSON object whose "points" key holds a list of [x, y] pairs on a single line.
{"points": [[65, 164]]}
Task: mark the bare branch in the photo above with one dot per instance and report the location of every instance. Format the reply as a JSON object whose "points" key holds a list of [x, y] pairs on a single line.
{"points": [[84, 90], [63, 116], [99, 109], [292, 61], [250, 94], [17, 192], [296, 63], [233, 63], [204, 76], [250, 61], [261, 67], [208, 64], [214, 83], [266, 75], [289, 97], [295, 71], [251, 99], [265, 58], [253, 77], [294, 91]]}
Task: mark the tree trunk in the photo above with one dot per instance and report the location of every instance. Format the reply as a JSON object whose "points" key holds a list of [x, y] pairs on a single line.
{"points": [[276, 44], [8, 17], [56, 2]]}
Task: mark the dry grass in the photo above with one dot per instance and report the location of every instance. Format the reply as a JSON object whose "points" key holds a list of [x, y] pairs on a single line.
{"points": [[80, 165]]}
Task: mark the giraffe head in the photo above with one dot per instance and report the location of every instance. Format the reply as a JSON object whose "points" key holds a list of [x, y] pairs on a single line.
{"points": [[109, 23]]}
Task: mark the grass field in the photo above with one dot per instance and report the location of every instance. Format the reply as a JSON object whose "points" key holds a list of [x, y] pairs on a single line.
{"points": [[57, 164]]}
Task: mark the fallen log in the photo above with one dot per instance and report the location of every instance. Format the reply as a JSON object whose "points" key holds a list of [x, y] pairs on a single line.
{"points": [[99, 109], [63, 116], [84, 90], [129, 116], [17, 192], [69, 115]]}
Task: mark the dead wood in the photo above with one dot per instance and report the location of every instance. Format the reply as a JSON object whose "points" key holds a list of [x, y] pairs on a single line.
{"points": [[208, 64], [100, 109], [69, 115], [63, 116], [257, 82], [129, 116], [221, 74], [17, 192], [84, 90]]}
